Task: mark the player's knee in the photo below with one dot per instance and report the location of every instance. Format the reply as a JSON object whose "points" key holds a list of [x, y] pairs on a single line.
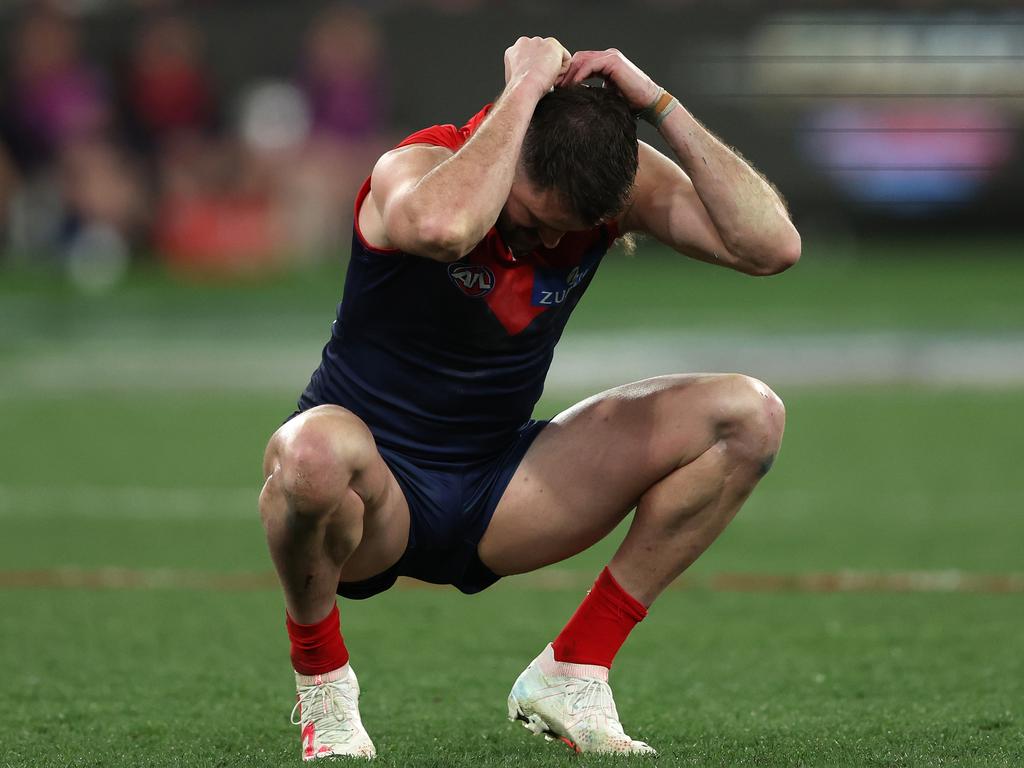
{"points": [[316, 455], [751, 417]]}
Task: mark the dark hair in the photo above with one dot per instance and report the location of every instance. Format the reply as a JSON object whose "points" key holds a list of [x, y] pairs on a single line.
{"points": [[581, 142]]}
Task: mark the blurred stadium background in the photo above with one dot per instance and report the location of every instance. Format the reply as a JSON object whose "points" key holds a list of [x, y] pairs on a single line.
{"points": [[175, 189]]}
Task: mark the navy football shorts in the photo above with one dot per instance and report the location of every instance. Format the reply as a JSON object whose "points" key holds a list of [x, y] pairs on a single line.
{"points": [[450, 507]]}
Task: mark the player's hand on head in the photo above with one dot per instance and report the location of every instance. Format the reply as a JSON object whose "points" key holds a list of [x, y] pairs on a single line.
{"points": [[540, 60], [636, 87]]}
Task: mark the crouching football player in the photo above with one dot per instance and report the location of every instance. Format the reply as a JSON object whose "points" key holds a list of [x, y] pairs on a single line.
{"points": [[413, 452]]}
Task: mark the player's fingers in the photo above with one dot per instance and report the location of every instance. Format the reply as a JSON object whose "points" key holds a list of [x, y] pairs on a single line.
{"points": [[564, 69], [595, 67], [566, 62], [574, 64], [562, 50], [580, 56], [594, 63], [563, 74]]}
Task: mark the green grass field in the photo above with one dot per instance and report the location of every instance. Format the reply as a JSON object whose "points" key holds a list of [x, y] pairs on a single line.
{"points": [[139, 624]]}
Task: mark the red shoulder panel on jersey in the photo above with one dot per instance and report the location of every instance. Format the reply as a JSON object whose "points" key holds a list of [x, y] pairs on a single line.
{"points": [[446, 135]]}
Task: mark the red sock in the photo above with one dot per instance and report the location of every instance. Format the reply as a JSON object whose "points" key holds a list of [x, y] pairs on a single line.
{"points": [[600, 625], [317, 648]]}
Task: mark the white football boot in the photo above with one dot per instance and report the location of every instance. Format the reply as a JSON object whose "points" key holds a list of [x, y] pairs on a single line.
{"points": [[327, 707], [571, 702]]}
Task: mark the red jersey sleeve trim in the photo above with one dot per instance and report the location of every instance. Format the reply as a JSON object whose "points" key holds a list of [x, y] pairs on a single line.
{"points": [[447, 135], [436, 135]]}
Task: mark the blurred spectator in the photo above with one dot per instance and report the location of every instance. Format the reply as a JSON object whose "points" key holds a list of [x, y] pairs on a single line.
{"points": [[72, 182], [203, 218], [55, 97], [343, 77], [211, 217], [281, 185], [101, 185], [344, 82], [8, 186], [169, 91], [105, 211]]}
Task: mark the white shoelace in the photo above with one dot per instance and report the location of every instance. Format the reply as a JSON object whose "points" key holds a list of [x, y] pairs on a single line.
{"points": [[595, 695], [317, 701]]}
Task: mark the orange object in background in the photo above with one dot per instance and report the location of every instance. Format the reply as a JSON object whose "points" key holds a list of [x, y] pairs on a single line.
{"points": [[218, 235]]}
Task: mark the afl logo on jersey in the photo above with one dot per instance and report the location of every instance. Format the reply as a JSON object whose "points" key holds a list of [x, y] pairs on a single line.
{"points": [[472, 279]]}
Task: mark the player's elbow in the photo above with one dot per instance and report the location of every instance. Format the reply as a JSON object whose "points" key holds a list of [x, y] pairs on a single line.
{"points": [[792, 248], [437, 236], [445, 238], [784, 258], [777, 258]]}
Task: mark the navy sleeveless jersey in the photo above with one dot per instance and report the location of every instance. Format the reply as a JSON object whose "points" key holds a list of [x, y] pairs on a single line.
{"points": [[445, 362]]}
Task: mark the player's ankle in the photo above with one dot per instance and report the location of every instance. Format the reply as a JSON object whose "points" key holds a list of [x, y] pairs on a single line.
{"points": [[600, 625], [326, 677], [552, 666], [317, 649]]}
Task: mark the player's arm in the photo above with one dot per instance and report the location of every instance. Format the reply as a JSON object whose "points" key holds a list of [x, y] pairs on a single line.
{"points": [[711, 205], [439, 204]]}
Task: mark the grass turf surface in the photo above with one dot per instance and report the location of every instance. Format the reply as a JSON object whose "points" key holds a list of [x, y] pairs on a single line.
{"points": [[173, 678], [871, 479], [200, 677]]}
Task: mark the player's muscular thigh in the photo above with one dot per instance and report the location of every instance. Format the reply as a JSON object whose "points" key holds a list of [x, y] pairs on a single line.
{"points": [[668, 421], [625, 440], [592, 464], [733, 412]]}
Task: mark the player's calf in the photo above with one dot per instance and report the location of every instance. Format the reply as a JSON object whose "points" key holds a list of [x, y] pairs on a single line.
{"points": [[679, 516]]}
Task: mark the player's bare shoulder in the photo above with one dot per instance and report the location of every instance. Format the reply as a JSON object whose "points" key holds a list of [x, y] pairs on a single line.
{"points": [[397, 172]]}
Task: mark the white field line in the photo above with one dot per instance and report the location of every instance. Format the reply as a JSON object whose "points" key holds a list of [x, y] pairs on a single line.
{"points": [[96, 502], [795, 359], [583, 361], [548, 580]]}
